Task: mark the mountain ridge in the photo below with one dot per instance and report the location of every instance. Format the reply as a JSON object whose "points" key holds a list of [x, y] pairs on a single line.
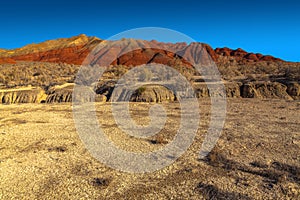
{"points": [[75, 49]]}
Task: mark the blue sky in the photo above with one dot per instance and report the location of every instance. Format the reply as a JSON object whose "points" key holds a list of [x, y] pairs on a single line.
{"points": [[269, 27]]}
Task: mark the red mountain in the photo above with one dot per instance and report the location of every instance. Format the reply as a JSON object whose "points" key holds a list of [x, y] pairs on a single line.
{"points": [[75, 49]]}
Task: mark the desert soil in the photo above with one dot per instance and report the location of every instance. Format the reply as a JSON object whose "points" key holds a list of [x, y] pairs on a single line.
{"points": [[256, 157]]}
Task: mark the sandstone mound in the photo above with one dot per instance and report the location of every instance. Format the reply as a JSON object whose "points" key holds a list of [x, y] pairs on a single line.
{"points": [[265, 90], [153, 93], [22, 95], [293, 89], [64, 93], [232, 90], [147, 93], [58, 94]]}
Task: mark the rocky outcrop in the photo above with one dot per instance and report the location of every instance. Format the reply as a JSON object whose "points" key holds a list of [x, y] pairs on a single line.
{"points": [[147, 93], [64, 93], [293, 89], [22, 95], [264, 90], [59, 94], [153, 93], [232, 90], [105, 88], [261, 90]]}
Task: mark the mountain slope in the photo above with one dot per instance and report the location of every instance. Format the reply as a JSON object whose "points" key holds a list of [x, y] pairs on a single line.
{"points": [[75, 49], [68, 50]]}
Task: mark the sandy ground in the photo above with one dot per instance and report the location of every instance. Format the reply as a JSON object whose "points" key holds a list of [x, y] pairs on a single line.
{"points": [[257, 156]]}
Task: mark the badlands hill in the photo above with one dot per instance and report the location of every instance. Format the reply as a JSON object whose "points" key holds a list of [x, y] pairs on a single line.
{"points": [[48, 66], [74, 50], [68, 50]]}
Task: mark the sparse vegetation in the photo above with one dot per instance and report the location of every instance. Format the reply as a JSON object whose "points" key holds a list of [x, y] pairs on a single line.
{"points": [[250, 161], [36, 74]]}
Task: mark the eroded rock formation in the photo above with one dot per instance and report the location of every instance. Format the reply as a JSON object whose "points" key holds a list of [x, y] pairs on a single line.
{"points": [[148, 93], [264, 90], [293, 89], [64, 93], [153, 93], [22, 95]]}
